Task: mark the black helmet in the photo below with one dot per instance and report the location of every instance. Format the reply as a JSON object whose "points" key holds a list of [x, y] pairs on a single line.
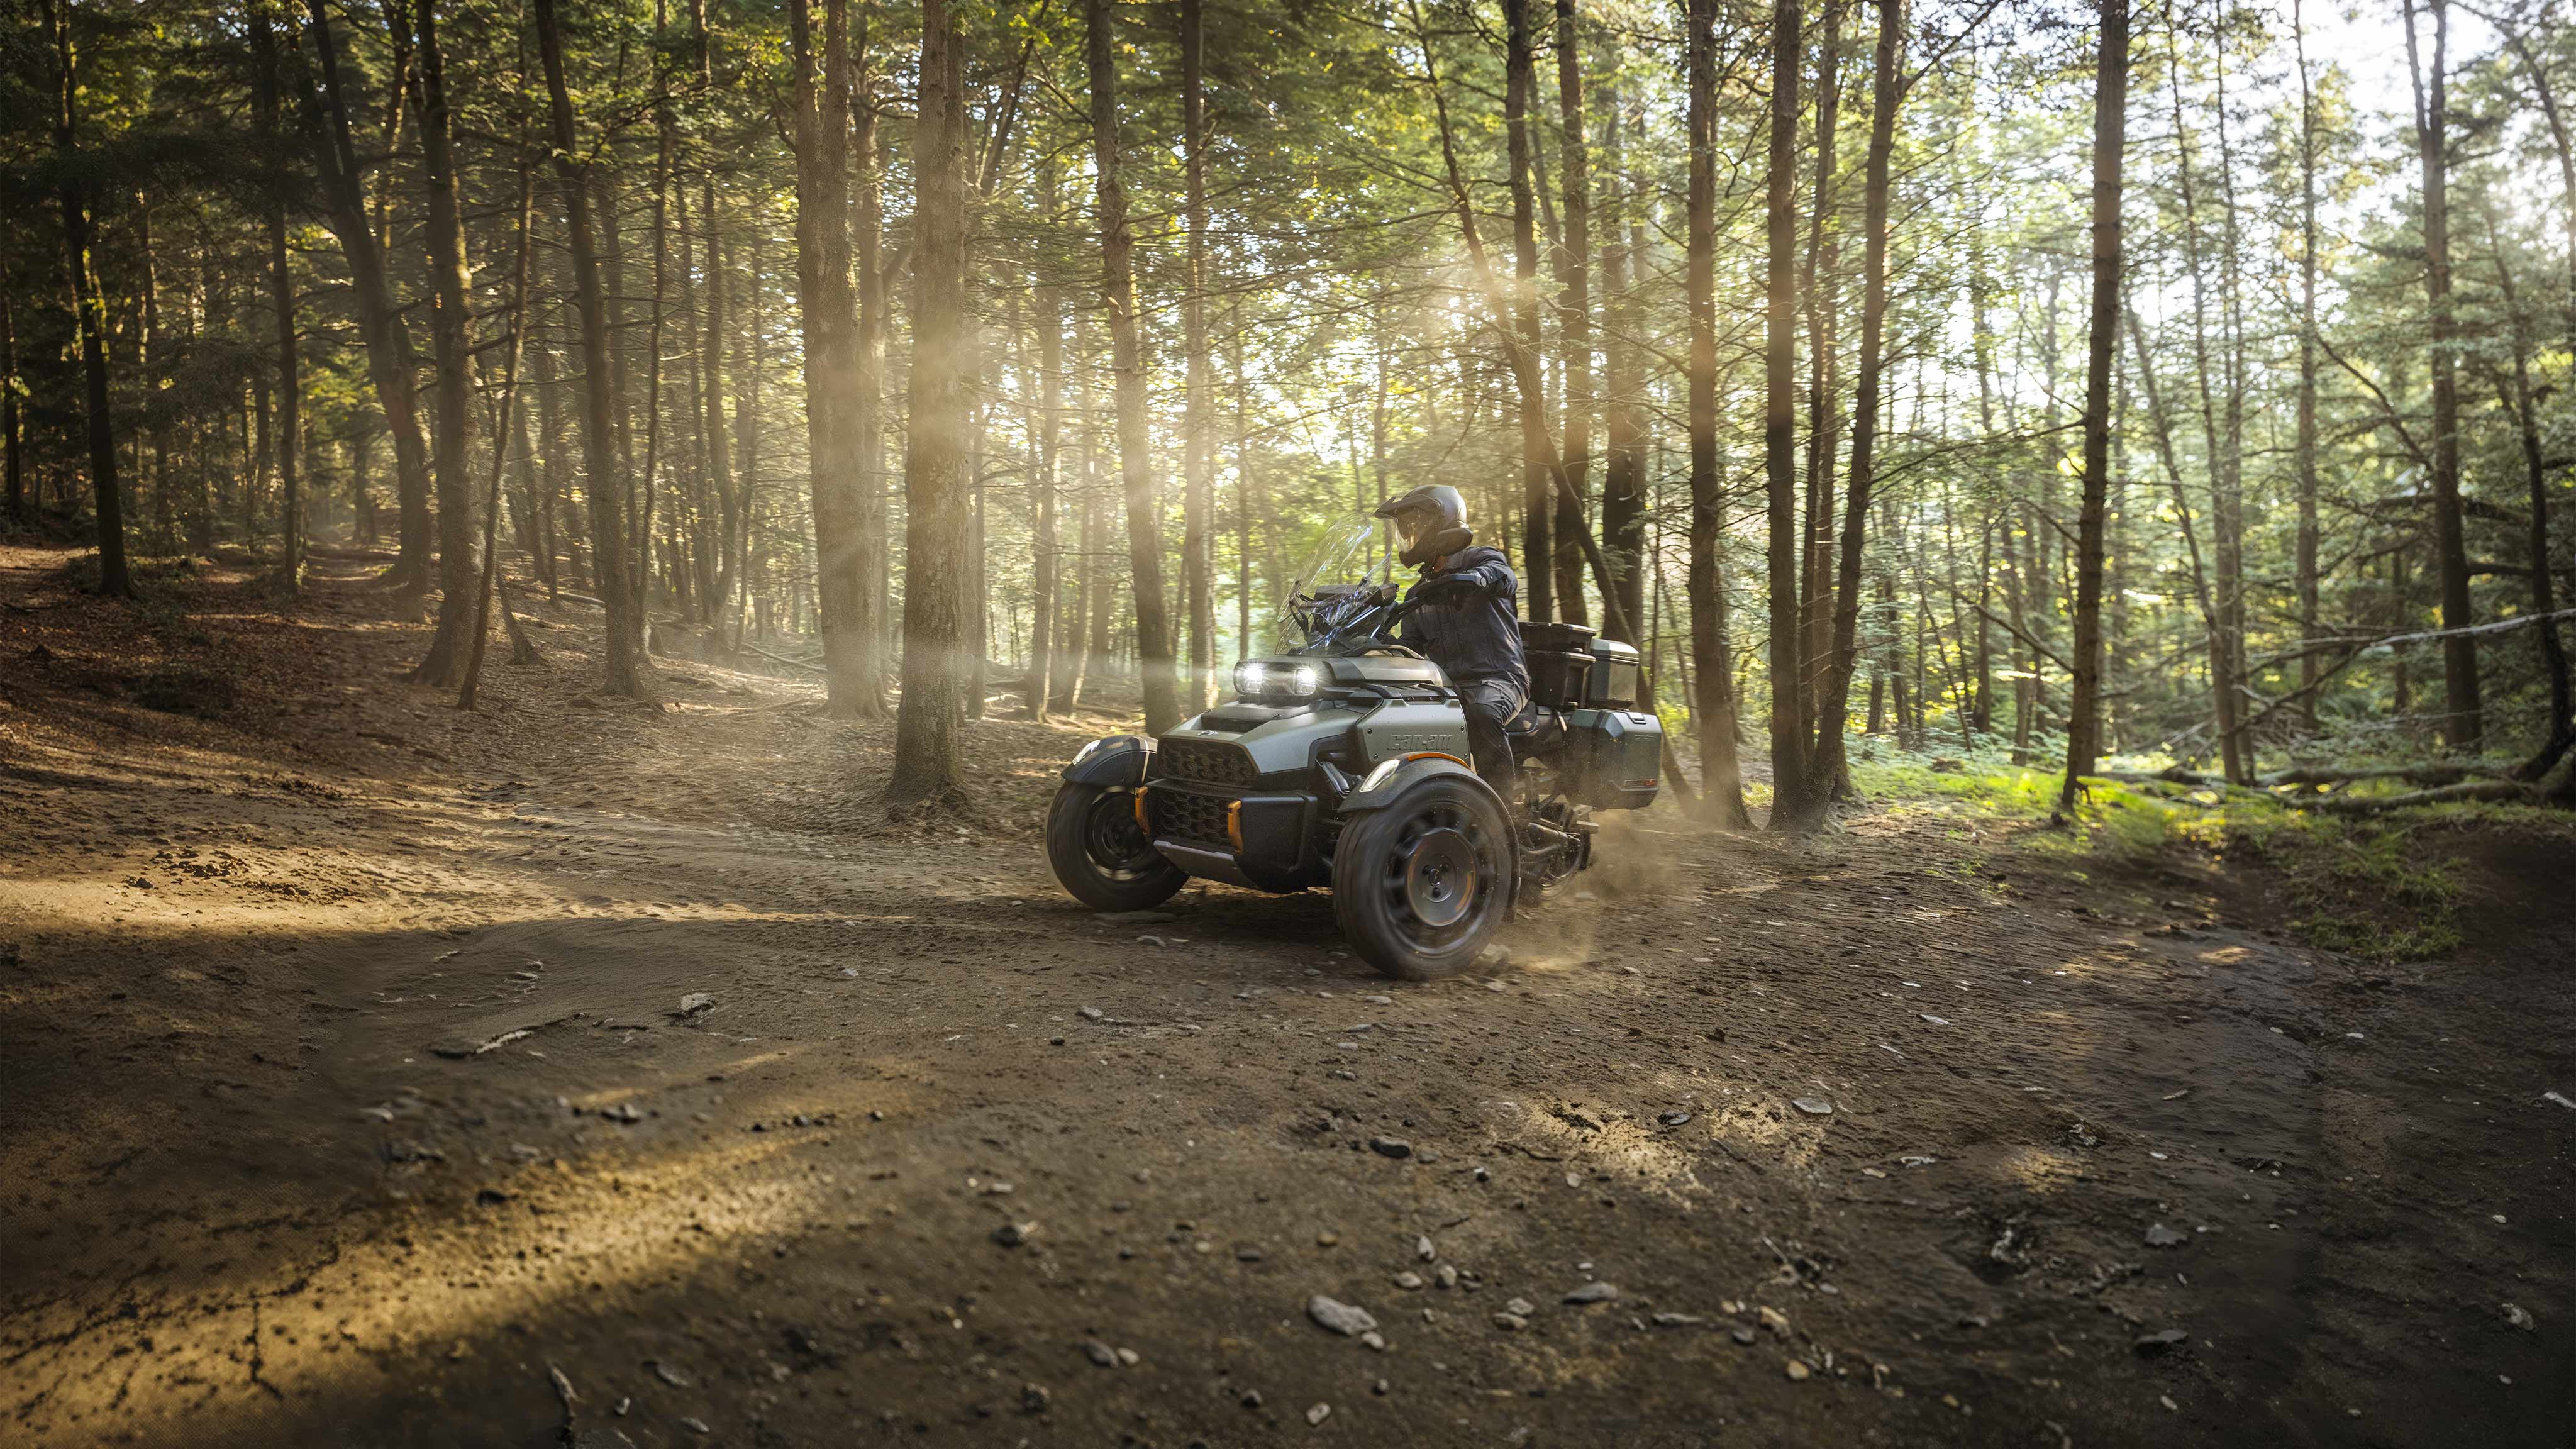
{"points": [[1432, 520]]}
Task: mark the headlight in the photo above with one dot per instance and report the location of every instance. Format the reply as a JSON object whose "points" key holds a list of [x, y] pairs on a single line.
{"points": [[1264, 679]]}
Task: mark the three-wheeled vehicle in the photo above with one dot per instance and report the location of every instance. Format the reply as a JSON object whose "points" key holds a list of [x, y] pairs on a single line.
{"points": [[1342, 761]]}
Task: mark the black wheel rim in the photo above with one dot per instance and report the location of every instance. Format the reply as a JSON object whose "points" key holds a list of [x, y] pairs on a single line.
{"points": [[1440, 882], [1116, 845], [1436, 884]]}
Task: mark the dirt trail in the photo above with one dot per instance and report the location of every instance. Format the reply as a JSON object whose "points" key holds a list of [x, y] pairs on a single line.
{"points": [[380, 1075]]}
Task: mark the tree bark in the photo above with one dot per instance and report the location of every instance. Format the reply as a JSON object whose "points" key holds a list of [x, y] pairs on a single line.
{"points": [[1623, 266], [1821, 286], [828, 311], [503, 431], [1127, 365], [454, 350], [2304, 463], [1538, 555], [1574, 316], [2102, 341], [89, 312], [939, 651], [1198, 504], [1795, 807], [2516, 393], [281, 292], [1713, 692], [603, 473], [2463, 725]]}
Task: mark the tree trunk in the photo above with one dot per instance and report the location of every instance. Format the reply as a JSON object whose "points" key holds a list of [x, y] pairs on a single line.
{"points": [[1127, 364], [712, 399], [1713, 697], [281, 292], [89, 311], [1623, 266], [390, 363], [1821, 285], [1794, 806], [940, 649], [828, 311], [1538, 562], [1198, 504], [1826, 772], [874, 624], [2102, 341], [2560, 732], [604, 474], [454, 349], [503, 432], [2463, 726], [1047, 586], [1574, 317], [2227, 583], [2304, 463]]}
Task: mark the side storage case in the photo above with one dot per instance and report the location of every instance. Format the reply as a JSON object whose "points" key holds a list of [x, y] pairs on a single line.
{"points": [[1614, 757], [1560, 663]]}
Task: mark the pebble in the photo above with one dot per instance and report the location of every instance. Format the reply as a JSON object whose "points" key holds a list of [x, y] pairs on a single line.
{"points": [[1813, 1106], [2160, 1236], [2160, 1341], [1740, 1334], [1677, 1320], [1341, 1318], [695, 1002], [1594, 1293], [1391, 1147], [1251, 1399], [1674, 1119], [1089, 1013], [1011, 1235], [1446, 1275], [1034, 1398], [695, 1425], [1798, 1371], [1521, 1307], [1099, 1353], [1510, 1322], [1319, 1413], [2520, 1317], [1408, 1281], [1326, 1240], [1422, 1249], [1374, 1340]]}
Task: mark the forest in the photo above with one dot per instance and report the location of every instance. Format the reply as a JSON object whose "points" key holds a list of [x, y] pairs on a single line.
{"points": [[668, 775], [2083, 387]]}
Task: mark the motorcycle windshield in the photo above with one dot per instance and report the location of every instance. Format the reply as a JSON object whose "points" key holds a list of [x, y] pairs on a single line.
{"points": [[1342, 572]]}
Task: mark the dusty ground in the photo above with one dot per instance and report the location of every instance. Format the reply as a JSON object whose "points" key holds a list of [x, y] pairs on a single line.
{"points": [[352, 1099]]}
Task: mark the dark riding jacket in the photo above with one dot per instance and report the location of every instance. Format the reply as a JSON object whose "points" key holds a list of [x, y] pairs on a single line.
{"points": [[1477, 636]]}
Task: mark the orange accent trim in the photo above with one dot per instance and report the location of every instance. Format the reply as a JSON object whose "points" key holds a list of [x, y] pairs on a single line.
{"points": [[1142, 823], [1234, 825], [1437, 755]]}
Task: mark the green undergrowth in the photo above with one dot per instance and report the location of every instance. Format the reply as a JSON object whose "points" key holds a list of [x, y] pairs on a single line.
{"points": [[2382, 888]]}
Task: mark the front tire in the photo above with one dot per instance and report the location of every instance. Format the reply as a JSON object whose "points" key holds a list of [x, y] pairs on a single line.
{"points": [[1421, 885], [1102, 856]]}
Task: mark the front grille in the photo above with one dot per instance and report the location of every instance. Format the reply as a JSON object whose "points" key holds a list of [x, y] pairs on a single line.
{"points": [[1207, 762], [1182, 815]]}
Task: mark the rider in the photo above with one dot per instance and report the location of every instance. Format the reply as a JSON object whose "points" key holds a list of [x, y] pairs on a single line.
{"points": [[1468, 624]]}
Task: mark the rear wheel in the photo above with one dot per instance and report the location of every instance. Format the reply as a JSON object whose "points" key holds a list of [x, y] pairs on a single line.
{"points": [[1100, 853], [1421, 885]]}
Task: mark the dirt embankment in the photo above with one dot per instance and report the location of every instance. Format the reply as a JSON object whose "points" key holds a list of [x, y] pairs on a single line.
{"points": [[384, 1075]]}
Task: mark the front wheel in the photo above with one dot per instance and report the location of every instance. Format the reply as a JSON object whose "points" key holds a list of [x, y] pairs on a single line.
{"points": [[1100, 853], [1420, 885]]}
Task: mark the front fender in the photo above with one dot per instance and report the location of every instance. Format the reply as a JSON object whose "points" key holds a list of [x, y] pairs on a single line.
{"points": [[1115, 762], [1411, 772]]}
